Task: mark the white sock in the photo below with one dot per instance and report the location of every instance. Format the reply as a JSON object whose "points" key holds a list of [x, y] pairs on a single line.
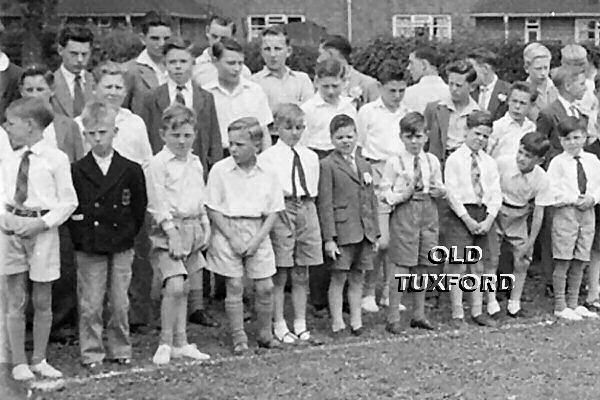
{"points": [[299, 326], [280, 328], [514, 306], [492, 306]]}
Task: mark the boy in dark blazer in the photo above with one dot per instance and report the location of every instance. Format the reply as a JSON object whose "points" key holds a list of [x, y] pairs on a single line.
{"points": [[347, 208], [112, 203]]}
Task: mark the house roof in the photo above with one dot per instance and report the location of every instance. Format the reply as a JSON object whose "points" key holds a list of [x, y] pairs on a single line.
{"points": [[537, 8]]}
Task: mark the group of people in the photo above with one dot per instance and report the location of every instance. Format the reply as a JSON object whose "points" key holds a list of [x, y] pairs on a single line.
{"points": [[137, 179]]}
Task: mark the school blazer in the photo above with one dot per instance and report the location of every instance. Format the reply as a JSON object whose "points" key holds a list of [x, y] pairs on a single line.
{"points": [[346, 203], [140, 80], [68, 137], [208, 136], [437, 120], [111, 208], [9, 87], [62, 101], [496, 106]]}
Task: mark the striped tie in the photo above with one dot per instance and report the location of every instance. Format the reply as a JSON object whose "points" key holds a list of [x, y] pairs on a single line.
{"points": [[418, 175], [22, 179], [476, 178], [581, 178], [179, 96]]}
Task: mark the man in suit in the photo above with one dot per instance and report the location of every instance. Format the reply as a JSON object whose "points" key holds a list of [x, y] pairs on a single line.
{"points": [[491, 93], [148, 70], [428, 86], [73, 85]]}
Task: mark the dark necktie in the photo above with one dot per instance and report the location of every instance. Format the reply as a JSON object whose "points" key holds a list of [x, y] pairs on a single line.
{"points": [[179, 96], [476, 177], [297, 169], [78, 97], [22, 179], [418, 175], [581, 178]]}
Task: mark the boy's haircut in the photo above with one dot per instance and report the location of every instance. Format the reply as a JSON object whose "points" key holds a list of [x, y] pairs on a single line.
{"points": [[250, 125], [32, 108], [389, 70], [329, 68], [98, 111], [176, 116], [108, 68], [462, 68], [178, 43], [571, 124], [412, 123], [429, 54], [574, 55], [523, 86], [287, 112], [339, 43], [340, 121], [563, 75], [276, 30], [484, 56], [535, 143], [226, 44], [478, 118], [76, 33], [153, 18], [37, 70], [223, 21], [533, 51]]}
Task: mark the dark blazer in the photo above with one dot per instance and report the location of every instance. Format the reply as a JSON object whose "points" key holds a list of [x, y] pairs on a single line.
{"points": [[9, 87], [68, 137], [111, 208], [346, 203], [140, 80], [62, 101], [496, 106], [437, 120], [208, 136]]}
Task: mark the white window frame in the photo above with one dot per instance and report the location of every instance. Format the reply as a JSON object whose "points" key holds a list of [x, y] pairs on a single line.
{"points": [[427, 21], [270, 20], [583, 23], [532, 25]]}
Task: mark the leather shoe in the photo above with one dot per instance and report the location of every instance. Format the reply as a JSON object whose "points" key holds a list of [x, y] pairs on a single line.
{"points": [[422, 324], [394, 328], [357, 331], [202, 318], [549, 291], [269, 344], [485, 320]]}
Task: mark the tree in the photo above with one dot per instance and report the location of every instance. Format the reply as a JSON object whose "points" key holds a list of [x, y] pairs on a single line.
{"points": [[36, 15]]}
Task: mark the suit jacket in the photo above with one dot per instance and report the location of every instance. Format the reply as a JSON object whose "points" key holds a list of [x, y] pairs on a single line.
{"points": [[62, 101], [346, 203], [437, 120], [495, 106], [111, 208], [208, 136], [9, 87], [140, 80], [68, 137]]}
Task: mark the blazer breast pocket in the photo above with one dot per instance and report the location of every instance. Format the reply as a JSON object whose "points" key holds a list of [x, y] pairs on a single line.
{"points": [[340, 213]]}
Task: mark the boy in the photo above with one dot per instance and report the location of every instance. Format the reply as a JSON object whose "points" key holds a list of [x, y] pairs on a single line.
{"points": [[36, 197], [243, 202], [347, 208], [379, 141], [491, 92], [522, 181], [536, 62], [180, 228], [575, 190], [112, 202], [410, 183], [296, 236], [423, 66], [473, 185]]}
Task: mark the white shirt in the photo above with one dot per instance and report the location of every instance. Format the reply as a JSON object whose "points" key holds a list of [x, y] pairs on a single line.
{"points": [[379, 130], [562, 173], [518, 189], [458, 181], [161, 73], [205, 71], [279, 159], [457, 123], [5, 147], [293, 87], [103, 162], [430, 88], [187, 92], [485, 93], [70, 78], [319, 114], [50, 186], [50, 135], [247, 100], [175, 187], [131, 140], [4, 61], [506, 136]]}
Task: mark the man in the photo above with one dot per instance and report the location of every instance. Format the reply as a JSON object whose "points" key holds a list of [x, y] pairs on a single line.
{"points": [[491, 94], [536, 61], [360, 87], [73, 85], [423, 64], [205, 70], [148, 70], [10, 75]]}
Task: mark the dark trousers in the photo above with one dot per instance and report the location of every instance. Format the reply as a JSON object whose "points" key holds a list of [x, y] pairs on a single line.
{"points": [[318, 281], [64, 290]]}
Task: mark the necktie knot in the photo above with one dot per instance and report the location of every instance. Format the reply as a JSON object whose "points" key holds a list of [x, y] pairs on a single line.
{"points": [[180, 88]]}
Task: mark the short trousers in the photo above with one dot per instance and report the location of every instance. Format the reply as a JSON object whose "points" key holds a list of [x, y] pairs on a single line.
{"points": [[511, 227], [456, 232], [572, 233], [356, 256]]}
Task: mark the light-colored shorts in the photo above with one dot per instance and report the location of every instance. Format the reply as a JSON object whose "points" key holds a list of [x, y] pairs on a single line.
{"points": [[511, 227], [296, 235], [356, 256], [222, 260], [40, 255], [572, 233]]}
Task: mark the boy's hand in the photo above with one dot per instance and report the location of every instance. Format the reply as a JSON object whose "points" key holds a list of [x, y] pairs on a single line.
{"points": [[175, 244], [437, 192], [238, 246], [523, 253], [375, 246], [471, 224], [253, 246], [584, 202], [31, 228], [331, 249], [485, 226], [207, 233]]}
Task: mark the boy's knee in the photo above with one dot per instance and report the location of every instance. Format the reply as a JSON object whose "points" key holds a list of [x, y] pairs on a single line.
{"points": [[175, 286], [280, 277], [356, 277], [338, 277], [264, 287], [42, 297], [235, 287], [300, 276]]}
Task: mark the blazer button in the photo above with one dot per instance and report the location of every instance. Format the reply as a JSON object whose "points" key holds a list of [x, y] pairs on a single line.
{"points": [[115, 225], [96, 223], [114, 206], [97, 205]]}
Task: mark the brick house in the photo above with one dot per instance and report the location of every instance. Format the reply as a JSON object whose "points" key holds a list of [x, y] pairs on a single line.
{"points": [[532, 20]]}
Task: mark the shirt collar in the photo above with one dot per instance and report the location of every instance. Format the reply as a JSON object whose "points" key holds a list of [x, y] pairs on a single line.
{"points": [[169, 155], [106, 159], [173, 85], [244, 84], [267, 72], [4, 61], [470, 107], [205, 57], [144, 58], [35, 149], [379, 104], [69, 76], [491, 85], [566, 104], [232, 166], [320, 101]]}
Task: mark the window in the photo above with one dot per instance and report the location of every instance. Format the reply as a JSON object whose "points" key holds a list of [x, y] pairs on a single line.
{"points": [[533, 31], [587, 30], [430, 26], [256, 23]]}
